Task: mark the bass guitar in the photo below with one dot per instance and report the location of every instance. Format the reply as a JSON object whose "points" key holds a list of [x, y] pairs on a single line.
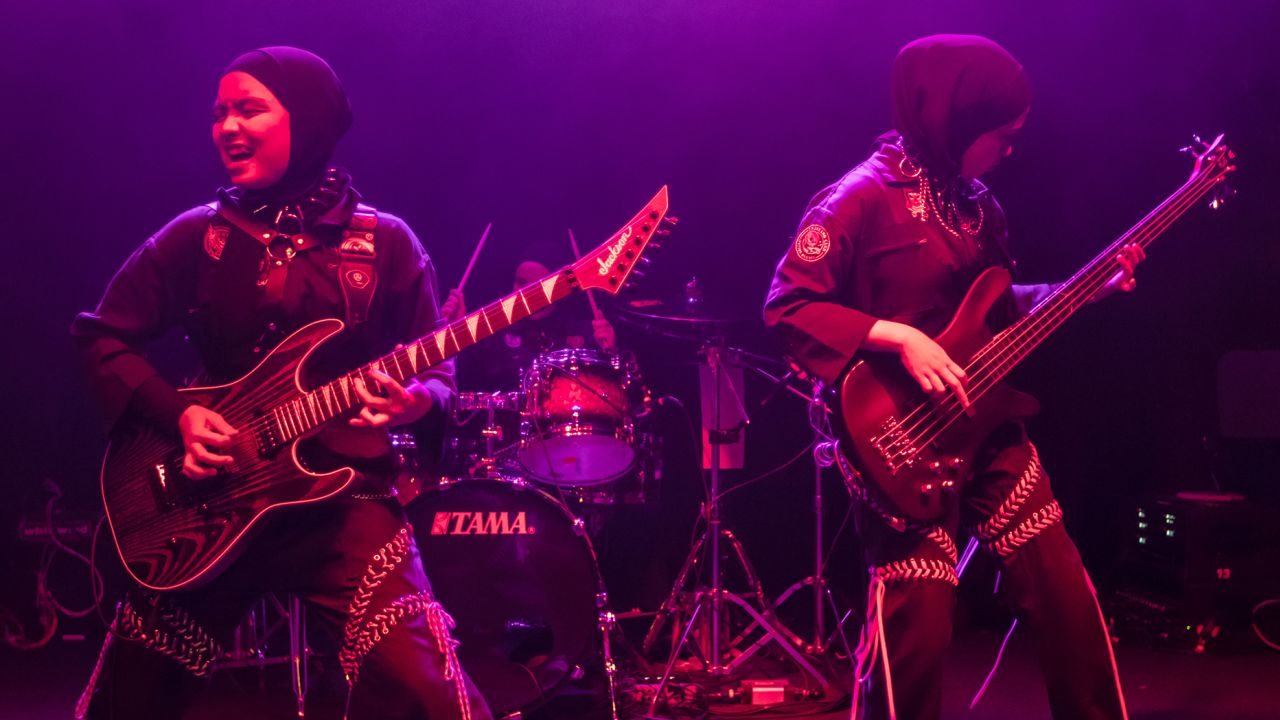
{"points": [[173, 532], [913, 450]]}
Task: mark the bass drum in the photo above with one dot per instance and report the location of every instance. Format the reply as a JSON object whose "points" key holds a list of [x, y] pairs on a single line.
{"points": [[518, 574]]}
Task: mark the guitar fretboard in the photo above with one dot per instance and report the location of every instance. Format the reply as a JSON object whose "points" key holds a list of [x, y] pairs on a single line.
{"points": [[308, 411]]}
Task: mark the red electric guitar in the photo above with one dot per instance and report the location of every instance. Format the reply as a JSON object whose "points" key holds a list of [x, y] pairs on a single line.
{"points": [[172, 531]]}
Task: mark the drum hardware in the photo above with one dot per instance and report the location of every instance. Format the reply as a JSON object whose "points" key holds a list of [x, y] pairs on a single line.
{"points": [[410, 478], [708, 612], [482, 431], [824, 448]]}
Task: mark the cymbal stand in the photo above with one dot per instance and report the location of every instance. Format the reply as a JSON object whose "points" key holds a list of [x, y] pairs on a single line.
{"points": [[823, 600], [708, 603]]}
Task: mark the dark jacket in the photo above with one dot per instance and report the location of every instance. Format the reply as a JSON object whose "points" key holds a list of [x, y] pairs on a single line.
{"points": [[202, 274], [860, 254]]}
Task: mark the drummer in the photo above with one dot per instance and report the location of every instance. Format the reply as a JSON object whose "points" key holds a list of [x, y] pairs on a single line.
{"points": [[496, 365]]}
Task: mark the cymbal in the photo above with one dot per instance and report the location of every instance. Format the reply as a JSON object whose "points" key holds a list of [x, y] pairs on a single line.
{"points": [[679, 315]]}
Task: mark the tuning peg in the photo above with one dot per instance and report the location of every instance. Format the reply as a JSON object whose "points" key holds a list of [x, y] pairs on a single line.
{"points": [[1221, 195], [1188, 150], [663, 232], [673, 220]]}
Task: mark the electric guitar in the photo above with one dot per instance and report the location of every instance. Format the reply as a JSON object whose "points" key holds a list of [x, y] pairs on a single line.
{"points": [[913, 450], [173, 531]]}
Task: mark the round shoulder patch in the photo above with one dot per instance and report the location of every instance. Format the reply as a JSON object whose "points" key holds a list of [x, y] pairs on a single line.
{"points": [[812, 243]]}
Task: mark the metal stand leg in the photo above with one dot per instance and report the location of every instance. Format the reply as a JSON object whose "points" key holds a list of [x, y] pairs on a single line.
{"points": [[298, 651], [607, 624], [822, 596]]}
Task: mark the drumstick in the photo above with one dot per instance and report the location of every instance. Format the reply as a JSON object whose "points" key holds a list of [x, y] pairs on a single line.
{"points": [[591, 295], [474, 256]]}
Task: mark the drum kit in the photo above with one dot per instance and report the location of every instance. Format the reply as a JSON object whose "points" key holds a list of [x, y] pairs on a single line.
{"points": [[506, 524]]}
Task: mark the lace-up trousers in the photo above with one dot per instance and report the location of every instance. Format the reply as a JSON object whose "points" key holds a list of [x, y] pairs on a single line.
{"points": [[355, 564], [1009, 506]]}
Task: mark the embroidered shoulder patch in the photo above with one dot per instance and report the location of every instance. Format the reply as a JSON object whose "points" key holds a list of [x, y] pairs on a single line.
{"points": [[812, 243], [215, 239]]}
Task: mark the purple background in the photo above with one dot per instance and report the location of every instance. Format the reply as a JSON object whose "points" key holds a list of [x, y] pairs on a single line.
{"points": [[571, 113]]}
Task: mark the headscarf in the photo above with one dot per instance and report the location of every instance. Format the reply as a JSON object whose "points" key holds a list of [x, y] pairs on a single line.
{"points": [[946, 90], [319, 114]]}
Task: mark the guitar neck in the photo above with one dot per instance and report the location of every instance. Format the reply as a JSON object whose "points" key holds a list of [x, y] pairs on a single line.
{"points": [[309, 410], [1011, 346], [605, 269]]}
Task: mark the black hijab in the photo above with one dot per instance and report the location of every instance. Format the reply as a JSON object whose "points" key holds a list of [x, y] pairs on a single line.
{"points": [[946, 90], [319, 114]]}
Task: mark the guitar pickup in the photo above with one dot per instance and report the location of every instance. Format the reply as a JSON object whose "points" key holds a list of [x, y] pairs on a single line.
{"points": [[163, 476]]}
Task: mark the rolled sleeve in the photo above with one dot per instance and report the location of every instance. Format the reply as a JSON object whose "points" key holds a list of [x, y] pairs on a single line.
{"points": [[807, 305]]}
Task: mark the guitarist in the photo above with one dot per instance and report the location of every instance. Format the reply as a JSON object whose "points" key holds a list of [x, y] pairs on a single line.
{"points": [[278, 114], [881, 261]]}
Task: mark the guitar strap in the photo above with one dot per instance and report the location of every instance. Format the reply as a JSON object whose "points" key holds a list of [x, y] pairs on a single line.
{"points": [[357, 273]]}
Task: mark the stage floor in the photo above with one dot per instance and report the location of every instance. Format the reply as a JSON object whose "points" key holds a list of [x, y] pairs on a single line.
{"points": [[44, 684]]}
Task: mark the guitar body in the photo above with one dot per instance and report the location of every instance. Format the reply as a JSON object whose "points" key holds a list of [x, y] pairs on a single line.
{"points": [[172, 531], [877, 392]]}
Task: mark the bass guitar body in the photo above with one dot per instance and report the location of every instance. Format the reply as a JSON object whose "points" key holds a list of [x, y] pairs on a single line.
{"points": [[904, 456]]}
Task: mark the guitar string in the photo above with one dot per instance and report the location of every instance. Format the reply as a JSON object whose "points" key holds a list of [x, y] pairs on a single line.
{"points": [[1155, 217], [1080, 289], [999, 345], [1075, 294], [304, 418], [1066, 302]]}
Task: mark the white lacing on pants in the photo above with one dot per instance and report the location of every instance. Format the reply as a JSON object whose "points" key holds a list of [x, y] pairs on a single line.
{"points": [[872, 641], [364, 630]]}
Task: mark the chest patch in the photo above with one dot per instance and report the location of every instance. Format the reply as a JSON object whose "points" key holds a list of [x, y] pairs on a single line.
{"points": [[358, 278], [812, 243], [215, 239]]}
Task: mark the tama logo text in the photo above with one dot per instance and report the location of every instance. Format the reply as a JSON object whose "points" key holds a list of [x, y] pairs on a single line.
{"points": [[480, 523]]}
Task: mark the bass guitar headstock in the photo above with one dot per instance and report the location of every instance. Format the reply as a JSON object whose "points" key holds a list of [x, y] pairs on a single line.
{"points": [[1213, 162]]}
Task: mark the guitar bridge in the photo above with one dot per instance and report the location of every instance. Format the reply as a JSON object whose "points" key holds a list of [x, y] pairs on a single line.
{"points": [[894, 447]]}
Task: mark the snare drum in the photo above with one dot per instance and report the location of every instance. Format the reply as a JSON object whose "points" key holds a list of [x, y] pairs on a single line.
{"points": [[577, 428]]}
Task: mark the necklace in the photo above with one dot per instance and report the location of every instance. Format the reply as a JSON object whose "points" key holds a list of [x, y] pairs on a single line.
{"points": [[923, 201]]}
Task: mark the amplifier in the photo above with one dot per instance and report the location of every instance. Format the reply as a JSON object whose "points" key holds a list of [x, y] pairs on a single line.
{"points": [[1193, 567]]}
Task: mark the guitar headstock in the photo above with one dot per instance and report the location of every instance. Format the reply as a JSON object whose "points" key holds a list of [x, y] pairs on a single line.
{"points": [[1213, 162], [609, 265]]}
